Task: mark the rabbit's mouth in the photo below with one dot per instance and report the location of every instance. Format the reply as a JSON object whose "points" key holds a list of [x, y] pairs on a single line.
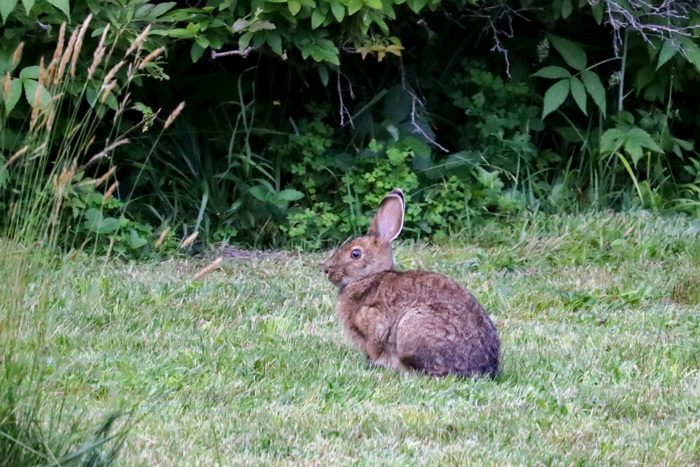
{"points": [[335, 277]]}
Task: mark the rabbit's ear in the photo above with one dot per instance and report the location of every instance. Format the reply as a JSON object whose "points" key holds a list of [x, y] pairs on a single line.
{"points": [[388, 221]]}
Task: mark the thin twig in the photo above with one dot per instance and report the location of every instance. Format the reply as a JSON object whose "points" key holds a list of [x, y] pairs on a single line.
{"points": [[343, 110], [243, 53]]}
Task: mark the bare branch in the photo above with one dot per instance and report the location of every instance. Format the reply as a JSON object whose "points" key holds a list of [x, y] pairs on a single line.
{"points": [[414, 110], [243, 53], [668, 20], [416, 127], [343, 110]]}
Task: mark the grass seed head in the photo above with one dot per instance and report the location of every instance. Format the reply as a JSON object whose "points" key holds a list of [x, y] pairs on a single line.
{"points": [[58, 51], [110, 191], [189, 240], [105, 177], [6, 83], [174, 114], [161, 237], [79, 44], [64, 179], [138, 42], [17, 55], [150, 57], [99, 53], [107, 150], [19, 153], [66, 56], [208, 269]]}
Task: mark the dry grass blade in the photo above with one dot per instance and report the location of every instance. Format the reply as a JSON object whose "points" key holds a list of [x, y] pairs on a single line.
{"points": [[189, 240], [20, 152], [174, 114], [138, 42], [106, 89], [110, 191], [105, 177], [107, 150], [36, 106], [162, 237], [150, 57], [208, 269], [109, 77]]}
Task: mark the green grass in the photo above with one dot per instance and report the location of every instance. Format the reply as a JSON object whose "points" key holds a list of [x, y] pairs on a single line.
{"points": [[599, 318]]}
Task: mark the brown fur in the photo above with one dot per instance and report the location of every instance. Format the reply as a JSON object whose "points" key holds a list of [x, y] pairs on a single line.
{"points": [[408, 320]]}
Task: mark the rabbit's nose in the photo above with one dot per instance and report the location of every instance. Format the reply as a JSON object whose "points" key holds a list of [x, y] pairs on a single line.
{"points": [[324, 268]]}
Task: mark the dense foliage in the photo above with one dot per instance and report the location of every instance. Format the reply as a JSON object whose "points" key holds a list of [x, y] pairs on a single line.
{"points": [[300, 114]]}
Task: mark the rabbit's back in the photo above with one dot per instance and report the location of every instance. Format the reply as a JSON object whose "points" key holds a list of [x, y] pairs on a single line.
{"points": [[421, 321]]}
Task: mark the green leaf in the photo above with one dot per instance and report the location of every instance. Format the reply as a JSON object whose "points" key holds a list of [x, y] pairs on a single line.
{"points": [[7, 7], [202, 41], [644, 139], [28, 5], [598, 9], [376, 4], [290, 195], [30, 90], [63, 5], [595, 89], [244, 40], [354, 6], [4, 173], [416, 5], [317, 18], [261, 193], [161, 9], [555, 96], [30, 72], [274, 40], [180, 33], [566, 9], [338, 11], [691, 51], [644, 76], [611, 140], [579, 93], [323, 74], [196, 52], [552, 72], [668, 50], [91, 96], [294, 7], [97, 223], [135, 241], [239, 25], [634, 150], [573, 54], [13, 95]]}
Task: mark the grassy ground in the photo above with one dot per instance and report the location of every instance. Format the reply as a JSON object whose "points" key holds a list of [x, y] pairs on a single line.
{"points": [[599, 318]]}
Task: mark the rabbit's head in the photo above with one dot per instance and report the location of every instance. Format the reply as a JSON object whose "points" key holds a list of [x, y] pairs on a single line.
{"points": [[370, 254]]}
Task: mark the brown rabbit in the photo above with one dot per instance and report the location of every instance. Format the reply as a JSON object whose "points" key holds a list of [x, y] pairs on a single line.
{"points": [[408, 320]]}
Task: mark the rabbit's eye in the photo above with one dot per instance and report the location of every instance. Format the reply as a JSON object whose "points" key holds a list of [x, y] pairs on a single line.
{"points": [[356, 253]]}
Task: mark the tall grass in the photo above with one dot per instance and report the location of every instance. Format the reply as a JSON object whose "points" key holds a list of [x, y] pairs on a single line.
{"points": [[46, 172]]}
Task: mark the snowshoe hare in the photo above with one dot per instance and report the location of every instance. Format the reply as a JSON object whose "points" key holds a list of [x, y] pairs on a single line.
{"points": [[408, 320]]}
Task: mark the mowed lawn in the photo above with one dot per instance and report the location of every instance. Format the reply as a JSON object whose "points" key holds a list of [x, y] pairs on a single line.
{"points": [[599, 318]]}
